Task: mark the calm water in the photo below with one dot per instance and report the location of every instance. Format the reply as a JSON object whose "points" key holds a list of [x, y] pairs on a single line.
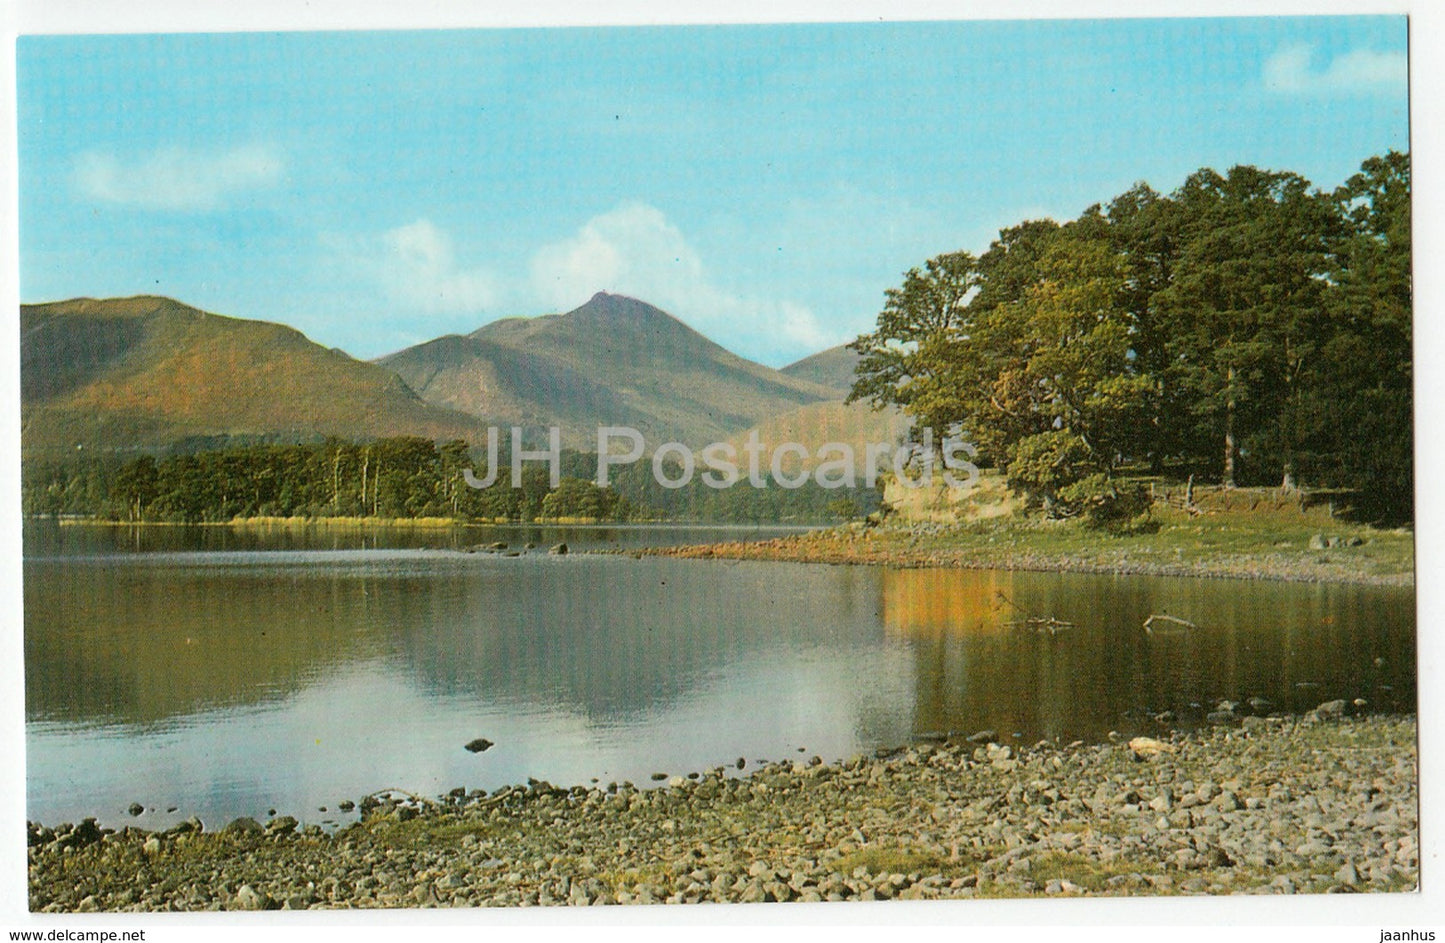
{"points": [[227, 673]]}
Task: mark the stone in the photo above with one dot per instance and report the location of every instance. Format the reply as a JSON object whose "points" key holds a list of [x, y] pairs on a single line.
{"points": [[247, 898], [1330, 710], [479, 745], [282, 825], [243, 826], [1318, 542], [1228, 802], [136, 809], [983, 736], [1148, 747], [558, 549]]}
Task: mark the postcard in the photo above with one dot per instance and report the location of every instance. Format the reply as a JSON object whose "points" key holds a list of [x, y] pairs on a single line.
{"points": [[754, 465]]}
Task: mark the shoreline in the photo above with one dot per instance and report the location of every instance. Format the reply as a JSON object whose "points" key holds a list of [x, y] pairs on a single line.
{"points": [[1319, 803], [898, 549]]}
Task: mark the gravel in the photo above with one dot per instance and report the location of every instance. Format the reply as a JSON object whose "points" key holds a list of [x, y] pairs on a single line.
{"points": [[1295, 805]]}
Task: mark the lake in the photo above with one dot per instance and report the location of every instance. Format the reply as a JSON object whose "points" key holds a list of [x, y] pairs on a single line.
{"points": [[221, 672]]}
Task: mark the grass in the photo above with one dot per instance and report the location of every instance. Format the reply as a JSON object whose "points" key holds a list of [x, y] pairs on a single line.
{"points": [[1239, 542]]}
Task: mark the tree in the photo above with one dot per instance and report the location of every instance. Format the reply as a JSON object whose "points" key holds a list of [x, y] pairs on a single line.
{"points": [[1243, 311], [1358, 429], [136, 486], [902, 362], [1036, 366]]}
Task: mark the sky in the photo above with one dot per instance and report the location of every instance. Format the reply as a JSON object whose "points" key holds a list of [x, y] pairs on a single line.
{"points": [[765, 184]]}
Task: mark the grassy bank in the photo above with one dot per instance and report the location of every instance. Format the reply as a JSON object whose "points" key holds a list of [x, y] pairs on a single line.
{"points": [[1273, 806], [1240, 543]]}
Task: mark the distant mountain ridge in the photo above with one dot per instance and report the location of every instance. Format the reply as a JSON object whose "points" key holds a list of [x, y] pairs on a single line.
{"points": [[613, 361], [832, 368], [147, 371]]}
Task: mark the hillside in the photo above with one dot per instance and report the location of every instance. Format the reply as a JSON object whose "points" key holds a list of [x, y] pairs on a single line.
{"points": [[613, 361], [816, 424], [832, 368], [147, 371]]}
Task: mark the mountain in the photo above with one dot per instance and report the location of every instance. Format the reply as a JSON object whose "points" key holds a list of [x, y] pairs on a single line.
{"points": [[613, 361], [147, 371], [832, 368], [856, 425]]}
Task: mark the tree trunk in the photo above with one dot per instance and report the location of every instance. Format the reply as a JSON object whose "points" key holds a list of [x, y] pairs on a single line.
{"points": [[1229, 449], [1287, 482]]}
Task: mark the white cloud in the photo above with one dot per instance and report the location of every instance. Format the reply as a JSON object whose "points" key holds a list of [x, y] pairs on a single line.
{"points": [[1291, 70], [418, 268], [635, 250], [178, 179]]}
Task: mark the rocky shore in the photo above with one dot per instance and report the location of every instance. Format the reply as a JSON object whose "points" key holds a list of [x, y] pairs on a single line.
{"points": [[1271, 805], [1385, 559]]}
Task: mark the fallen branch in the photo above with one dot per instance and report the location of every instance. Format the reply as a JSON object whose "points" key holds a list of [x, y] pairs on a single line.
{"points": [[1174, 621], [1038, 623], [1051, 625]]}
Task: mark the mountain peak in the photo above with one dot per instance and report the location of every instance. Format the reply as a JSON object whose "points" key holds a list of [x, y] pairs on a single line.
{"points": [[605, 306]]}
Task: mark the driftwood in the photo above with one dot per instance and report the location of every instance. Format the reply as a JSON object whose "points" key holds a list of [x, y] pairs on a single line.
{"points": [[1050, 625], [1167, 623], [1037, 623]]}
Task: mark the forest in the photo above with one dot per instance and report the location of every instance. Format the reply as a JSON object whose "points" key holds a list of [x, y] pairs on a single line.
{"points": [[403, 477], [1246, 329]]}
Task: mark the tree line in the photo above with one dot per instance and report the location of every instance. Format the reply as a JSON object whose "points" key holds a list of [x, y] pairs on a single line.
{"points": [[1246, 328], [396, 478]]}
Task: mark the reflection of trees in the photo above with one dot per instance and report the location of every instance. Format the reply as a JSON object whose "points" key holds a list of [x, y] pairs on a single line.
{"points": [[120, 642], [613, 638], [974, 671], [138, 642]]}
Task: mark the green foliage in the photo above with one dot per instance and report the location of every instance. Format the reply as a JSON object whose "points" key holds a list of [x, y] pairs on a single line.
{"points": [[1045, 464], [405, 477], [1107, 503], [1246, 327]]}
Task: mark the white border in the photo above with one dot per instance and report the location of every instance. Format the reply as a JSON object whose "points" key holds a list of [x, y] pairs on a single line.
{"points": [[1342, 917]]}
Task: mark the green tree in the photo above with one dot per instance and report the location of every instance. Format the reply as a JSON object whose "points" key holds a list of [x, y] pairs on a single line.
{"points": [[1243, 312]]}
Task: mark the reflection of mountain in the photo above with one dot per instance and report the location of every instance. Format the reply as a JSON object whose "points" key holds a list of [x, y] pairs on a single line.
{"points": [[608, 638], [139, 643], [614, 639]]}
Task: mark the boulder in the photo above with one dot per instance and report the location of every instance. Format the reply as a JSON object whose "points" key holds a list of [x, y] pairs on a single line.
{"points": [[1148, 747], [479, 745], [243, 826]]}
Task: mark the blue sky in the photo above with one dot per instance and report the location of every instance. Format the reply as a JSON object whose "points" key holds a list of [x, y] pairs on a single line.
{"points": [[766, 184]]}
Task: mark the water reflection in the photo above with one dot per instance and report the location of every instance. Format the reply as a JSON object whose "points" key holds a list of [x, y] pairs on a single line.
{"points": [[1294, 645], [228, 682]]}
